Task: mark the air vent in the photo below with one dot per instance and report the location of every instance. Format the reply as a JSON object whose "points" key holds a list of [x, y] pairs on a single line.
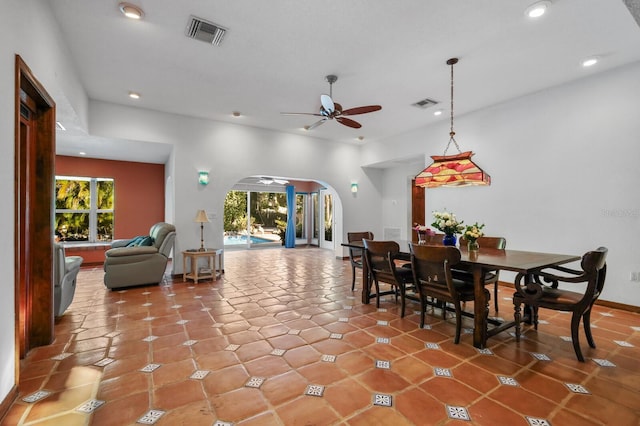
{"points": [[425, 103], [205, 31]]}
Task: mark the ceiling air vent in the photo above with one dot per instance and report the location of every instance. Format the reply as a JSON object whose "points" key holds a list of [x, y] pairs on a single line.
{"points": [[425, 103], [205, 31]]}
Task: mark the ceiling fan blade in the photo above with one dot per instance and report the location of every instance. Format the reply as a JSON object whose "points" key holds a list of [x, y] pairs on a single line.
{"points": [[301, 113], [316, 124], [361, 110], [348, 122], [327, 103]]}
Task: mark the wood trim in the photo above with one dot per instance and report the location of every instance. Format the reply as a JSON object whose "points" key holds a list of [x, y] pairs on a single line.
{"points": [[34, 179], [6, 403]]}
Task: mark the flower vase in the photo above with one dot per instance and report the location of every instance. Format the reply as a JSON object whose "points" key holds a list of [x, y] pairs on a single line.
{"points": [[473, 246], [449, 240], [422, 237]]}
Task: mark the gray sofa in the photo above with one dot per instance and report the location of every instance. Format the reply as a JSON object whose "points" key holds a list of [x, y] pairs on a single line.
{"points": [[139, 265], [65, 270]]}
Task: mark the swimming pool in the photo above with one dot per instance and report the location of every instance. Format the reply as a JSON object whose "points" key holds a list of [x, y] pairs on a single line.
{"points": [[242, 240]]}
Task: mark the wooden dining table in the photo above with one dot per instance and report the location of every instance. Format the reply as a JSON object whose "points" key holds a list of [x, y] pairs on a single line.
{"points": [[486, 259]]}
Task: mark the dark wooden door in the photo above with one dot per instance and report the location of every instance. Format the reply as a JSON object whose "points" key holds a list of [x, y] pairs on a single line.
{"points": [[417, 208]]}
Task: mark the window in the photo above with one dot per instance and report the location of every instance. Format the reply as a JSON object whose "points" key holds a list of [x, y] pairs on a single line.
{"points": [[84, 209]]}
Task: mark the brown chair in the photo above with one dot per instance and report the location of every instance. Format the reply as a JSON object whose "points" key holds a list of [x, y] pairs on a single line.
{"points": [[534, 293], [382, 259], [355, 255], [490, 277], [432, 275]]}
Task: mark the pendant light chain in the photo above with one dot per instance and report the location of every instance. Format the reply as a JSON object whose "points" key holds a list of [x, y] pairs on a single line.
{"points": [[452, 62]]}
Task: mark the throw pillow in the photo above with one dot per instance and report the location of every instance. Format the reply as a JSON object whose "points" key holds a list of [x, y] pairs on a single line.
{"points": [[146, 241], [135, 241]]}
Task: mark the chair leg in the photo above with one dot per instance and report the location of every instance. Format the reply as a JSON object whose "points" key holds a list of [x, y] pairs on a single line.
{"points": [[575, 327], [535, 316], [423, 309], [377, 293], [456, 340], [516, 318], [586, 322], [353, 277], [402, 299], [495, 295]]}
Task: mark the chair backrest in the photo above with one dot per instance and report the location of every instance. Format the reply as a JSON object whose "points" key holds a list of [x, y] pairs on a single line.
{"points": [[163, 235], [433, 239], [489, 242], [594, 264], [357, 236], [432, 264], [379, 257]]}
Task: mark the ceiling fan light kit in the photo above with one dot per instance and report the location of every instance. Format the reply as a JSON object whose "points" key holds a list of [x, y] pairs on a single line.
{"points": [[452, 170], [330, 110]]}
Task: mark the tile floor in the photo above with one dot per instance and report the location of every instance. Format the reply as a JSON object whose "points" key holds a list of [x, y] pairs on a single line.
{"points": [[282, 340]]}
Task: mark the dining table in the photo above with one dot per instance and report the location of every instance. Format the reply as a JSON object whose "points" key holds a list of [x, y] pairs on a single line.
{"points": [[478, 263]]}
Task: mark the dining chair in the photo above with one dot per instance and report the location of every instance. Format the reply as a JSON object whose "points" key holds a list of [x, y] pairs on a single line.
{"points": [[355, 254], [433, 277], [382, 259], [490, 277], [541, 290]]}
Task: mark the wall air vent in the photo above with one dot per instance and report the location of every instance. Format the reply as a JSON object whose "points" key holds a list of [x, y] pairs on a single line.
{"points": [[205, 31], [425, 103]]}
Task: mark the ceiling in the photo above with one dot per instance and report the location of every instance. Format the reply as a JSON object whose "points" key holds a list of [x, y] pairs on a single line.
{"points": [[276, 54]]}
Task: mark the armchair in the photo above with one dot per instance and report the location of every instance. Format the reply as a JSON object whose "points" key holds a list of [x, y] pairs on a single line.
{"points": [[139, 265], [65, 271]]}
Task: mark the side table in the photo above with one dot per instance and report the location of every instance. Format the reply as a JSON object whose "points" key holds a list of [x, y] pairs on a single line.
{"points": [[196, 273]]}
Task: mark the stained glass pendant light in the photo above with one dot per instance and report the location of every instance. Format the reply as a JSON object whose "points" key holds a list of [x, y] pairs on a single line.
{"points": [[452, 170]]}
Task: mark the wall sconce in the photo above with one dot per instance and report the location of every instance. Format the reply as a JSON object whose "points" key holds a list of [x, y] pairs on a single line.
{"points": [[203, 178], [354, 187]]}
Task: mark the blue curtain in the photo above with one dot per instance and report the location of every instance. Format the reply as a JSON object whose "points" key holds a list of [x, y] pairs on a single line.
{"points": [[290, 238]]}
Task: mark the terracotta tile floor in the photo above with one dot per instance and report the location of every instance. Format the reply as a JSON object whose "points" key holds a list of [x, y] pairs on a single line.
{"points": [[281, 339]]}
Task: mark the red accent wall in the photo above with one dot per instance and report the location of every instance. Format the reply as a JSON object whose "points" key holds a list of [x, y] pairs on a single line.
{"points": [[139, 195]]}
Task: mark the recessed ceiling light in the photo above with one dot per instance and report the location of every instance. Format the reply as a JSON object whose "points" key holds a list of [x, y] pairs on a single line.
{"points": [[537, 9], [306, 127], [236, 113], [360, 138], [131, 11], [589, 62], [59, 126], [134, 95], [82, 153], [437, 113]]}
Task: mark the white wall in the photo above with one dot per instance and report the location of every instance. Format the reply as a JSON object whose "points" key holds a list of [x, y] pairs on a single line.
{"points": [[39, 44], [564, 168], [231, 152]]}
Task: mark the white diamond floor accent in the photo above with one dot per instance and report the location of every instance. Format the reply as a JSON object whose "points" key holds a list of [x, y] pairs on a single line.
{"points": [[176, 306], [221, 423], [347, 307], [231, 347], [149, 338], [147, 304], [294, 332], [199, 374], [171, 294], [328, 358], [182, 322], [36, 396], [112, 334], [103, 362], [383, 400], [90, 406], [385, 340], [566, 338], [442, 372], [540, 357], [573, 387], [335, 336], [343, 319], [426, 327], [314, 390], [603, 362], [254, 382], [117, 316], [146, 292], [467, 331], [306, 316], [351, 297], [254, 328], [383, 364], [431, 345], [205, 309], [382, 309], [458, 413], [150, 367], [606, 314], [508, 381], [623, 343], [278, 352], [151, 417], [189, 343], [384, 323], [547, 322], [537, 422], [485, 351], [119, 302], [635, 328], [197, 297], [148, 319]]}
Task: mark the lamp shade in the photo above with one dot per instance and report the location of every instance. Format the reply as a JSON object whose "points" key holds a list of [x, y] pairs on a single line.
{"points": [[201, 217], [452, 170]]}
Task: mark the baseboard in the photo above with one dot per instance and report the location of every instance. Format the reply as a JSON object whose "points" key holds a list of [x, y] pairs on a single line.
{"points": [[608, 304], [7, 401]]}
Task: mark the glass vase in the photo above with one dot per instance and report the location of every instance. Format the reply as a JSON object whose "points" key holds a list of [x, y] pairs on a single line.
{"points": [[473, 246], [449, 240], [422, 237]]}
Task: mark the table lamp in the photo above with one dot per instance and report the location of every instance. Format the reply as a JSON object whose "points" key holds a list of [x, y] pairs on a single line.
{"points": [[201, 218]]}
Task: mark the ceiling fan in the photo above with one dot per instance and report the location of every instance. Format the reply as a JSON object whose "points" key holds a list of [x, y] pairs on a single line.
{"points": [[269, 181], [330, 110]]}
